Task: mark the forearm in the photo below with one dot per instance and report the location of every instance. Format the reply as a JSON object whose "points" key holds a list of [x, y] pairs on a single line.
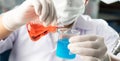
{"points": [[3, 31]]}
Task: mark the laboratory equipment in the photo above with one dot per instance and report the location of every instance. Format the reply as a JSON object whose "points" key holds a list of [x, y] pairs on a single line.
{"points": [[62, 50]]}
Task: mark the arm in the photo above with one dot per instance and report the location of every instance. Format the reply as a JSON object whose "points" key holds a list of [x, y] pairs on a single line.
{"points": [[94, 47], [29, 10], [3, 31], [6, 43]]}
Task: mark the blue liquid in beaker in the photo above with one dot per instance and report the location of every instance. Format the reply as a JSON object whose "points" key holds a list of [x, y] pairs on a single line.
{"points": [[62, 49]]}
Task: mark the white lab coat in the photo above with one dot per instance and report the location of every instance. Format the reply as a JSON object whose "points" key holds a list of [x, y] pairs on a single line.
{"points": [[24, 49]]}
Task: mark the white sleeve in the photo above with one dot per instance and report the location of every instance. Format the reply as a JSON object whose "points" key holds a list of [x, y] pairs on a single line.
{"points": [[109, 34], [8, 42]]}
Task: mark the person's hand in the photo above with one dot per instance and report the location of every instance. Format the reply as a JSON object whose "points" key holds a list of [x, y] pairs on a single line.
{"points": [[42, 11], [89, 47]]}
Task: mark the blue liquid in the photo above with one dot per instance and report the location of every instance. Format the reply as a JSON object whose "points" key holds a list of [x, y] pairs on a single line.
{"points": [[62, 49]]}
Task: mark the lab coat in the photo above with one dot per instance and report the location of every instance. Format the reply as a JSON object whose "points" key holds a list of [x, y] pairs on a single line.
{"points": [[24, 49]]}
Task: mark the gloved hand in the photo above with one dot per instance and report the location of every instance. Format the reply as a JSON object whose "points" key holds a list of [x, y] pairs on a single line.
{"points": [[89, 47], [42, 11]]}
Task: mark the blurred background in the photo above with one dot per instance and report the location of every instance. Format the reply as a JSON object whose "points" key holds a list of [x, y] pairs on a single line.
{"points": [[6, 5], [108, 12], [95, 8]]}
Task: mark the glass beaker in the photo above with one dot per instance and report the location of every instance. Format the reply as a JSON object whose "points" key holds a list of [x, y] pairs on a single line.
{"points": [[62, 50]]}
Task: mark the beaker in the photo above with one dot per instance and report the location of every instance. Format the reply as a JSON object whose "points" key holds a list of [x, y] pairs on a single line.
{"points": [[62, 50]]}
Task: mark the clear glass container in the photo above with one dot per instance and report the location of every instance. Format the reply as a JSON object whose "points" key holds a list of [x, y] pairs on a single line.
{"points": [[62, 50]]}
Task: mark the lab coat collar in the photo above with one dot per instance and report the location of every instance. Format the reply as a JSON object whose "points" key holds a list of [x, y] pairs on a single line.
{"points": [[84, 22]]}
